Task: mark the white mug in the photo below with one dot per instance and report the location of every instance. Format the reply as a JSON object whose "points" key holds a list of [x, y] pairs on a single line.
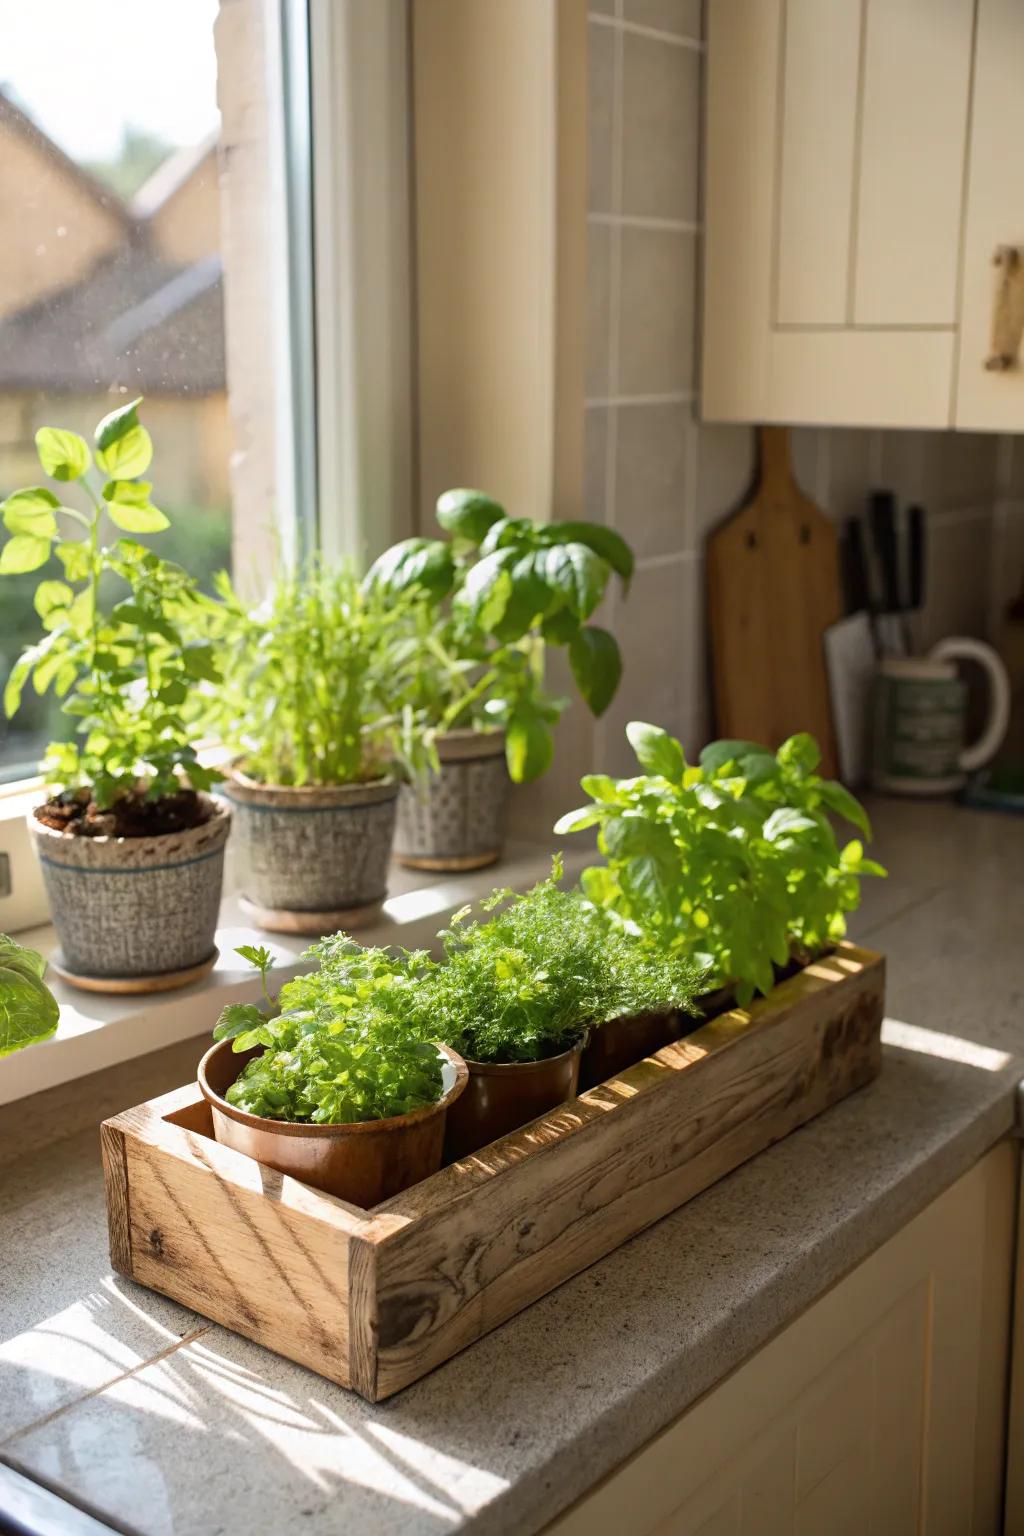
{"points": [[920, 705]]}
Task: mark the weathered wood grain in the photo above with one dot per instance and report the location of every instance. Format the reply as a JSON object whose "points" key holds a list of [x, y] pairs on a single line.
{"points": [[115, 1179], [242, 1244], [376, 1299], [453, 1274]]}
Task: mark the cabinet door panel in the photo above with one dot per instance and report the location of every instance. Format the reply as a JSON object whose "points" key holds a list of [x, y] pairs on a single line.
{"points": [[917, 67], [819, 112], [989, 400], [880, 1409], [860, 377], [835, 144]]}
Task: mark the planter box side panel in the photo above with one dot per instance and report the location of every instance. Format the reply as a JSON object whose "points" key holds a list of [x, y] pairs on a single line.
{"points": [[237, 1242], [664, 1132]]}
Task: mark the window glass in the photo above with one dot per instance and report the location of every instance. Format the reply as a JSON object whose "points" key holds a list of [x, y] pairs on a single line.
{"points": [[111, 278]]}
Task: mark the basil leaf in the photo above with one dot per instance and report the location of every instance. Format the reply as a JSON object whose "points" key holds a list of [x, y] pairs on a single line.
{"points": [[31, 511], [24, 552], [63, 455], [596, 665], [467, 514], [656, 750]]}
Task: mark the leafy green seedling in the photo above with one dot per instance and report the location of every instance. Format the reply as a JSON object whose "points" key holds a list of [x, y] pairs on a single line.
{"points": [[732, 862], [341, 1044], [531, 979], [124, 668], [308, 695], [28, 1009]]}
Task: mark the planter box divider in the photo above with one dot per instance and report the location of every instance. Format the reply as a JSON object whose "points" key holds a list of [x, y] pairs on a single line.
{"points": [[376, 1299]]}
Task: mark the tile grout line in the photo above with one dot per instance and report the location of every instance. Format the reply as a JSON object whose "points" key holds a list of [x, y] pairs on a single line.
{"points": [[619, 24], [644, 221], [186, 1338], [681, 397], [673, 557], [614, 287]]}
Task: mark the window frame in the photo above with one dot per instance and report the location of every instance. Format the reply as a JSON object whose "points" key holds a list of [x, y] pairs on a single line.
{"points": [[340, 74]]}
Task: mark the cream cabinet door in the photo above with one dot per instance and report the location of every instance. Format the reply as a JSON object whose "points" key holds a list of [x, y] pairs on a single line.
{"points": [[880, 1412], [988, 399], [836, 141]]}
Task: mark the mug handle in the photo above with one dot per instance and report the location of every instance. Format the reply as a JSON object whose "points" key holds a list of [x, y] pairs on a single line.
{"points": [[991, 739]]}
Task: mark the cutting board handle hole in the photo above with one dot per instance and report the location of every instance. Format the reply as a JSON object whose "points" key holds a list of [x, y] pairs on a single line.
{"points": [[805, 534], [751, 540]]}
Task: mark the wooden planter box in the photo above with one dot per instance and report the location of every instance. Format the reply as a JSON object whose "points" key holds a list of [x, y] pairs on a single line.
{"points": [[375, 1299]]}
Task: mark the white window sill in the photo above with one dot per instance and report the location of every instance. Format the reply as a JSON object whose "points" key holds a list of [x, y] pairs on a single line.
{"points": [[98, 1031]]}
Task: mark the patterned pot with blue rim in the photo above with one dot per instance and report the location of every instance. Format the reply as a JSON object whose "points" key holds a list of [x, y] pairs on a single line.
{"points": [[455, 819], [312, 859], [127, 907]]}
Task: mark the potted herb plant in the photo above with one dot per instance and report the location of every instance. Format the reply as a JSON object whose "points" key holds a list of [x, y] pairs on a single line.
{"points": [[28, 1009], [516, 995], [131, 845], [330, 1082], [491, 597], [732, 862], [303, 710]]}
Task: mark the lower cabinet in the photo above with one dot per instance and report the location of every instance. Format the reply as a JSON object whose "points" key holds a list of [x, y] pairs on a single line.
{"points": [[881, 1410]]}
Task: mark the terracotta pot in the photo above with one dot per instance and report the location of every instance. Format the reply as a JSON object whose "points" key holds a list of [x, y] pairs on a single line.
{"points": [[135, 906], [363, 1163], [618, 1043], [313, 859], [502, 1096], [456, 819]]}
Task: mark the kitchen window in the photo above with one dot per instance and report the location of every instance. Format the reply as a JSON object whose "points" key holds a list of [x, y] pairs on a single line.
{"points": [[207, 203], [149, 212]]}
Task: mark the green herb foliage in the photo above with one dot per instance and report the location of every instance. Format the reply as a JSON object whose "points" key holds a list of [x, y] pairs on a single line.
{"points": [[123, 668], [734, 862], [490, 599], [339, 1046], [28, 1009], [309, 676], [528, 982]]}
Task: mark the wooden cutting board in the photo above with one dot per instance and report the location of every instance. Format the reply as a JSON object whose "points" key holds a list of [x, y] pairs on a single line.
{"points": [[773, 590]]}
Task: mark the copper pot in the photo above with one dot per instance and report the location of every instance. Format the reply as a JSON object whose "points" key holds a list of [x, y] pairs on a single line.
{"points": [[502, 1096], [618, 1043], [363, 1163]]}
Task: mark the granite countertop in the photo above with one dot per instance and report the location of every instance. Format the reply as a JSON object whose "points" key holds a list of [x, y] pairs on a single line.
{"points": [[163, 1424]]}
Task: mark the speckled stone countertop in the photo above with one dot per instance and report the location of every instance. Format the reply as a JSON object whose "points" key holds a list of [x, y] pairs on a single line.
{"points": [[165, 1425]]}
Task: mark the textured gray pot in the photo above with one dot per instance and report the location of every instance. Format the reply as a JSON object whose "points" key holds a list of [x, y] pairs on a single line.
{"points": [[135, 906], [456, 820], [312, 858]]}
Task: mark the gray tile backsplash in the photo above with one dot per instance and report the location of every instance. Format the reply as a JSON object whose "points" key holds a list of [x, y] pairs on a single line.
{"points": [[659, 627], [652, 449], [681, 17], [656, 306], [603, 48], [660, 126], [596, 427], [599, 303]]}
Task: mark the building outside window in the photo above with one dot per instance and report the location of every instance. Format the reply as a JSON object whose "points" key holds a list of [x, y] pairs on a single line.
{"points": [[112, 278]]}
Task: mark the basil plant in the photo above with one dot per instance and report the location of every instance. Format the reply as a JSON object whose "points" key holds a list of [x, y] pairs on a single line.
{"points": [[733, 861], [492, 597]]}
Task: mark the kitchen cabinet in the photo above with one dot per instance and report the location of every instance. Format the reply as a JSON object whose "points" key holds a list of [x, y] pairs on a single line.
{"points": [[862, 161], [881, 1408], [988, 399]]}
